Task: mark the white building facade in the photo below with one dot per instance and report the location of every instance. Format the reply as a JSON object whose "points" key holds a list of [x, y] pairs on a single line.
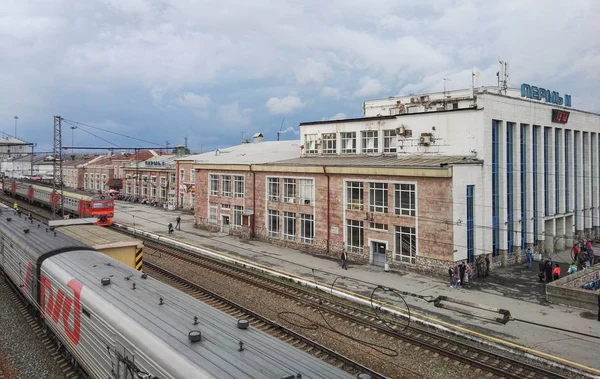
{"points": [[537, 185]]}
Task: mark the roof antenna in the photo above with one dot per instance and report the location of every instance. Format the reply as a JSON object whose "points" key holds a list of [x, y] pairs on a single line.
{"points": [[280, 128]]}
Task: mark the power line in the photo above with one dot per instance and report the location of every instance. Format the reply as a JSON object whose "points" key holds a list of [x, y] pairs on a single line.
{"points": [[92, 134], [110, 131]]}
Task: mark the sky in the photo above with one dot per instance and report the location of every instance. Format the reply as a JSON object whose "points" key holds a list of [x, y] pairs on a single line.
{"points": [[211, 70]]}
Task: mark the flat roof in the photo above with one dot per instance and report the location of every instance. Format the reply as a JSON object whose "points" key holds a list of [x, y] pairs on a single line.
{"points": [[412, 161], [249, 153], [346, 120], [98, 237]]}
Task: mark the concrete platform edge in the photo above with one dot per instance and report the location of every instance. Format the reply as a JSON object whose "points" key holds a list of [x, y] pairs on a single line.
{"points": [[452, 329]]}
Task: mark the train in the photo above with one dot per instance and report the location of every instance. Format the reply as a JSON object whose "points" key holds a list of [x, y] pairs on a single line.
{"points": [[101, 207], [115, 322]]}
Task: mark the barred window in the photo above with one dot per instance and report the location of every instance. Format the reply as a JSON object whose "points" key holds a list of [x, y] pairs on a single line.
{"points": [[212, 213]]}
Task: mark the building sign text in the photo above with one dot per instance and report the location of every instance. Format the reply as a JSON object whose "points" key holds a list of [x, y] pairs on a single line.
{"points": [[538, 93]]}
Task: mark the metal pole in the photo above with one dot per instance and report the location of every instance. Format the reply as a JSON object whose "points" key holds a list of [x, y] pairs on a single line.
{"points": [[16, 118]]}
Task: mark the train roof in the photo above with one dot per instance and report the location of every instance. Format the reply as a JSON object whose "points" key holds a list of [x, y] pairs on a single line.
{"points": [[217, 353], [73, 195], [35, 238], [99, 237]]}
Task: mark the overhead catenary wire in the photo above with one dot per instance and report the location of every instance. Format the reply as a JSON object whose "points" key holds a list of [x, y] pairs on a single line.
{"points": [[112, 132]]}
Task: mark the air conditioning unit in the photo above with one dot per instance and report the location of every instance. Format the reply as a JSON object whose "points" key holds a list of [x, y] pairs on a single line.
{"points": [[426, 139], [400, 131], [306, 201]]}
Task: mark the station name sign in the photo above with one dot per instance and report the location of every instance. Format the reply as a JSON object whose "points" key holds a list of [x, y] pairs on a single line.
{"points": [[538, 93], [154, 163]]}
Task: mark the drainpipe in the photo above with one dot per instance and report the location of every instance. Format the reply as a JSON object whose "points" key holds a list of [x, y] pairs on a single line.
{"points": [[252, 234], [328, 216]]}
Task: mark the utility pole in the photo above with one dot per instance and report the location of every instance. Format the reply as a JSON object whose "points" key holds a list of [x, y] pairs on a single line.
{"points": [[57, 166], [16, 118], [73, 127]]}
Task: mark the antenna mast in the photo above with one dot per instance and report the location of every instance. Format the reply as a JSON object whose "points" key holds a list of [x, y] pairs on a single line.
{"points": [[280, 128]]}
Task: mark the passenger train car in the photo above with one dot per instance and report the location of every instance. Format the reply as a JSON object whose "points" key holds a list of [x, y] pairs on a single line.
{"points": [[119, 323], [75, 204]]}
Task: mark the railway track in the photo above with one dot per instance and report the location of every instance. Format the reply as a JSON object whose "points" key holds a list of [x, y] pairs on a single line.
{"points": [[260, 322], [491, 363]]}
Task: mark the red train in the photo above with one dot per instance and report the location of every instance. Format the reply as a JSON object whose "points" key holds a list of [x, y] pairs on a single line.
{"points": [[75, 204]]}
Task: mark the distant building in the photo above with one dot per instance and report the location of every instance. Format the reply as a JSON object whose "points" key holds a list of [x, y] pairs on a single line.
{"points": [[151, 179]]}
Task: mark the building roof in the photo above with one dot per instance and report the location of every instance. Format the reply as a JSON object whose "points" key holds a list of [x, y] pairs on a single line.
{"points": [[412, 160], [346, 120], [5, 140], [249, 153], [168, 160]]}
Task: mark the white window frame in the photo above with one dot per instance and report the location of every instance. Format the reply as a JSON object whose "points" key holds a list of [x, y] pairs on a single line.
{"points": [[405, 244], [306, 191], [273, 229], [192, 176], [370, 141], [389, 141], [310, 144], [181, 175], [273, 189], [380, 188], [289, 190], [213, 210], [348, 142], [226, 185], [214, 184], [238, 212], [355, 227], [238, 186], [329, 143], [378, 226], [289, 226], [307, 228], [405, 194], [225, 206], [163, 188], [357, 203]]}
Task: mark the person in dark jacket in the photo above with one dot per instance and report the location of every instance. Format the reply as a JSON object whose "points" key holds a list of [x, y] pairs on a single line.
{"points": [[487, 264], [461, 270], [542, 267], [548, 271]]}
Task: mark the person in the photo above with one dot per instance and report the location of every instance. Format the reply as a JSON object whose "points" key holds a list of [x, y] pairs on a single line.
{"points": [[487, 265], [548, 269], [591, 256], [479, 263], [529, 255], [542, 267], [461, 271], [456, 276], [556, 272], [572, 268], [170, 226], [16, 207], [451, 275], [588, 244], [178, 226], [344, 260], [468, 272], [576, 251]]}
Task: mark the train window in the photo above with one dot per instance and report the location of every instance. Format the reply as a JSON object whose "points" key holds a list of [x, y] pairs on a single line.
{"points": [[88, 205], [85, 312]]}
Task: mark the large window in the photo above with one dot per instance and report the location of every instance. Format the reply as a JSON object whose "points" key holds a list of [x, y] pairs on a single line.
{"points": [[348, 142], [306, 191], [238, 186], [389, 141], [329, 143], [378, 200], [404, 199], [128, 189], [470, 223], [307, 228], [310, 144], [273, 188], [172, 178], [238, 211], [214, 185], [226, 185], [289, 226], [289, 190], [193, 176], [273, 223], [354, 195], [212, 213], [163, 188], [181, 175], [406, 244], [354, 236], [370, 142]]}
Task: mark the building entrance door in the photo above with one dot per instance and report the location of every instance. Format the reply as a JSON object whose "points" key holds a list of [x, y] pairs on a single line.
{"points": [[225, 224], [378, 252]]}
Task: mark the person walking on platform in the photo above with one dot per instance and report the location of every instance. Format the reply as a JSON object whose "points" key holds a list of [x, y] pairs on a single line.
{"points": [[468, 273], [170, 226], [451, 275], [556, 272], [177, 225], [456, 270], [344, 258], [591, 255], [461, 271], [548, 271], [487, 265], [542, 267], [15, 207], [479, 266], [529, 255]]}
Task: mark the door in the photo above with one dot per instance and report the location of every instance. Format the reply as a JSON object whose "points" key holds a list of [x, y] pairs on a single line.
{"points": [[225, 224], [378, 250]]}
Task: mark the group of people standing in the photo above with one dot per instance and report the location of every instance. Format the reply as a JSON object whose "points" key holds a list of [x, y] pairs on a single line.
{"points": [[460, 275]]}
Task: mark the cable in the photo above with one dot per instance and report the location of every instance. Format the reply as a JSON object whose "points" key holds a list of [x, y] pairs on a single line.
{"points": [[109, 131], [100, 138]]}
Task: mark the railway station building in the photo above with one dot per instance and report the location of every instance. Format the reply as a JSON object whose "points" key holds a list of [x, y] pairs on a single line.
{"points": [[422, 181]]}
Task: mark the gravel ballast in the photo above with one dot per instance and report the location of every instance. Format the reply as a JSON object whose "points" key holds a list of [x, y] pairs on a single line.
{"points": [[22, 356]]}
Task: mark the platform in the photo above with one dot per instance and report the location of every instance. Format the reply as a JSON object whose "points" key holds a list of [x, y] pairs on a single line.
{"points": [[515, 289]]}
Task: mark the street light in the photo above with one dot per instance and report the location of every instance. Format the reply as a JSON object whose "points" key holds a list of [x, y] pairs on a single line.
{"points": [[16, 118]]}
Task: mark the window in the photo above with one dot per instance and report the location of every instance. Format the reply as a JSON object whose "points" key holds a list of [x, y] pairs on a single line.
{"points": [[225, 185], [289, 190], [378, 201], [192, 176], [406, 244], [348, 142], [404, 199], [172, 178], [354, 196], [310, 144], [306, 187], [238, 211], [181, 175], [144, 186], [238, 186], [225, 206], [128, 189], [212, 213], [354, 236], [378, 226], [329, 143], [307, 228], [389, 141], [273, 188], [370, 141], [289, 226], [153, 192], [163, 188], [273, 223], [214, 185]]}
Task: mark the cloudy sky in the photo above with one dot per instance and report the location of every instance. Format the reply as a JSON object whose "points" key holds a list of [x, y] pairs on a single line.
{"points": [[209, 70]]}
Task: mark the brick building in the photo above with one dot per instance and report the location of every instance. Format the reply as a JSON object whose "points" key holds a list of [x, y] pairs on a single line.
{"points": [[98, 173], [152, 179], [73, 173]]}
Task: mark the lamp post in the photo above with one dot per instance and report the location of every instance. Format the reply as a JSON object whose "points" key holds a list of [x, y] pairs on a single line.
{"points": [[16, 118]]}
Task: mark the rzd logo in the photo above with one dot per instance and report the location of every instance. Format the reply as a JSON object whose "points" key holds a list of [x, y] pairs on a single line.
{"points": [[58, 306]]}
